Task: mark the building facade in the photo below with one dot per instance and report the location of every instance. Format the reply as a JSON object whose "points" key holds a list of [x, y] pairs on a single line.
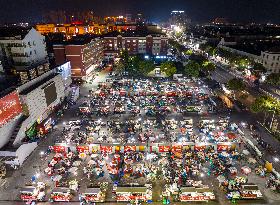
{"points": [[150, 44], [21, 48], [271, 60], [84, 57], [32, 102]]}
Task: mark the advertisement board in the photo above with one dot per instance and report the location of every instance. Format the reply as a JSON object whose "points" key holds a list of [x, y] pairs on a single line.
{"points": [[10, 107], [65, 70]]}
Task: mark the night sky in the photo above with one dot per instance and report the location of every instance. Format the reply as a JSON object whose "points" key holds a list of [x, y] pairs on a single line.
{"points": [[261, 11]]}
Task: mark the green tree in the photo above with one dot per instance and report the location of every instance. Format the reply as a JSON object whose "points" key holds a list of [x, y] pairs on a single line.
{"points": [[120, 67], [273, 79], [266, 104], [192, 69], [146, 66], [188, 52], [236, 84], [208, 66], [124, 58], [168, 68]]}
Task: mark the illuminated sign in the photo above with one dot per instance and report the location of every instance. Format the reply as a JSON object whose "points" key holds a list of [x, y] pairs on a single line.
{"points": [[10, 107]]}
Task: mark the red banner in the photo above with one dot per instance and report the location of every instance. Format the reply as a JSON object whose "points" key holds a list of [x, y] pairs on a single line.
{"points": [[10, 107], [129, 148], [194, 198], [177, 148], [61, 198], [199, 148], [106, 149], [25, 197], [162, 148], [131, 197], [222, 147], [92, 198], [81, 149], [59, 149]]}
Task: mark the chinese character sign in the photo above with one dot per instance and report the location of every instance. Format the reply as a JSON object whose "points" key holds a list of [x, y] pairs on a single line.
{"points": [[10, 107]]}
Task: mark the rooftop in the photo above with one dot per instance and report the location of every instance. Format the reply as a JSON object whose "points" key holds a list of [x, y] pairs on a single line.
{"points": [[258, 45], [14, 31], [7, 84], [140, 33], [38, 84]]}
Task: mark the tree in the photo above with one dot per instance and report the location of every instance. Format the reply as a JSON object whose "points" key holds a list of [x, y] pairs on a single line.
{"points": [[192, 69], [124, 58], [188, 52], [259, 67], [236, 84], [168, 68], [146, 66], [208, 66], [273, 79], [120, 67], [266, 104]]}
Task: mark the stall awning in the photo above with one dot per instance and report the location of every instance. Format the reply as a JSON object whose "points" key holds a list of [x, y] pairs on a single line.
{"points": [[131, 189]]}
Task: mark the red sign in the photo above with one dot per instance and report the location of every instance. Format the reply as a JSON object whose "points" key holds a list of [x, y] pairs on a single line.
{"points": [[162, 148], [25, 197], [222, 147], [199, 148], [61, 198], [177, 148], [82, 149], [106, 149], [59, 149], [130, 197], [129, 148], [10, 107], [194, 198]]}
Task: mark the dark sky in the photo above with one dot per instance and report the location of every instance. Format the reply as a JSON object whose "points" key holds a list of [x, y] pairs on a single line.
{"points": [[199, 10]]}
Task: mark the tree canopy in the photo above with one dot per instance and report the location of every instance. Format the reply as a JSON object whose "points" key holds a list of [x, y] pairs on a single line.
{"points": [[236, 84], [208, 66], [265, 104], [169, 68], [273, 79], [192, 69]]}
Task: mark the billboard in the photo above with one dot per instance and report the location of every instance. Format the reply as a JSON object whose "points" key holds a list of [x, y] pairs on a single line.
{"points": [[50, 93], [65, 70], [10, 107]]}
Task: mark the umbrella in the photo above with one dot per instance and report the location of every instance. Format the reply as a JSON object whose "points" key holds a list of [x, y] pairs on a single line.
{"points": [[246, 152], [73, 169], [57, 178], [76, 163], [221, 178], [246, 170], [252, 161]]}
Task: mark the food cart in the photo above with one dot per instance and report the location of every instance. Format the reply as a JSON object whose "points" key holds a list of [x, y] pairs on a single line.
{"points": [[61, 194], [250, 191], [196, 194], [31, 193], [133, 193], [27, 193], [93, 195]]}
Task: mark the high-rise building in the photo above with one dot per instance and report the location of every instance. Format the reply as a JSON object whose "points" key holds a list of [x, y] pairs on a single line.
{"points": [[179, 18]]}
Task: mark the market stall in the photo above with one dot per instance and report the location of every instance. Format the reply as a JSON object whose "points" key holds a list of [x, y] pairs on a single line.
{"points": [[61, 194], [196, 194], [133, 193]]}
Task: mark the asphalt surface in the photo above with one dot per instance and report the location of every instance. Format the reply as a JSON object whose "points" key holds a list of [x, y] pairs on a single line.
{"points": [[17, 178]]}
